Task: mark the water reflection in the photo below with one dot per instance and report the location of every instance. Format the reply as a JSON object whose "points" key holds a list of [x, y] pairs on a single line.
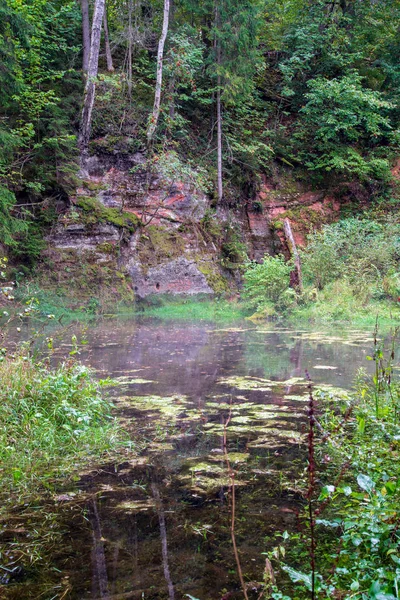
{"points": [[159, 525]]}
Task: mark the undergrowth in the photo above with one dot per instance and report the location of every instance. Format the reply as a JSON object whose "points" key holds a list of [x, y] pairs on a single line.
{"points": [[349, 540], [351, 273], [51, 420]]}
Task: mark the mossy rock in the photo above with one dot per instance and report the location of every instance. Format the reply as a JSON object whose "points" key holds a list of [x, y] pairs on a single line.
{"points": [[108, 248], [158, 245], [93, 211], [277, 224], [93, 186], [214, 277], [303, 216]]}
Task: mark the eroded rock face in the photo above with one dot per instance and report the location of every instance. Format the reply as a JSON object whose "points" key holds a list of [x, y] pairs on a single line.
{"points": [[79, 236], [180, 276], [150, 196], [165, 253], [152, 230], [305, 210]]}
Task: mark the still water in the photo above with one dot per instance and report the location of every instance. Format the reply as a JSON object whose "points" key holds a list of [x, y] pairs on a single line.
{"points": [[157, 525]]}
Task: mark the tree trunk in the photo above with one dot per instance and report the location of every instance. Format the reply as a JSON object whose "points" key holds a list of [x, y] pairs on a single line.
{"points": [[129, 61], [217, 48], [90, 87], [171, 83], [110, 66], [219, 142], [164, 543], [85, 35], [295, 276], [160, 57]]}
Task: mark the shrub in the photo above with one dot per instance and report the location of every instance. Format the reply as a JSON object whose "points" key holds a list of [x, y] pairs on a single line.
{"points": [[268, 283], [339, 114], [361, 250]]}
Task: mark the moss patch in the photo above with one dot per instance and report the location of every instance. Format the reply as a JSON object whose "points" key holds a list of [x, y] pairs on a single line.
{"points": [[158, 245], [93, 211], [214, 277]]}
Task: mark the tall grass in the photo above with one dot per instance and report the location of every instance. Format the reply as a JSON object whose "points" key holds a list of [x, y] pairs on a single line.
{"points": [[51, 420], [191, 309]]}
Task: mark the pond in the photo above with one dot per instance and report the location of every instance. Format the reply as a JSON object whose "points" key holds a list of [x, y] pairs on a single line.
{"points": [[206, 406]]}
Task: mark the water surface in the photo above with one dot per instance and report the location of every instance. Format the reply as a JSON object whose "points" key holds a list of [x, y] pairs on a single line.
{"points": [[157, 525]]}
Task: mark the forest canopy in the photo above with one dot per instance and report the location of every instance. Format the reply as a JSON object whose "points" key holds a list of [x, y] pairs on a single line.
{"points": [[311, 85]]}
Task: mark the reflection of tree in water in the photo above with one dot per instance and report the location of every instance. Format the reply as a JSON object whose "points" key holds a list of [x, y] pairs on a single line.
{"points": [[275, 358], [284, 355], [164, 543], [99, 565]]}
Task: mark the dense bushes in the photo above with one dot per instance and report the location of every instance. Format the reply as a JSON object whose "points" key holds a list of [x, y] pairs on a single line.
{"points": [[266, 285], [346, 266], [365, 253]]}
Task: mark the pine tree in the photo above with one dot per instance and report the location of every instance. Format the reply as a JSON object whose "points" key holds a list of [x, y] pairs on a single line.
{"points": [[233, 60]]}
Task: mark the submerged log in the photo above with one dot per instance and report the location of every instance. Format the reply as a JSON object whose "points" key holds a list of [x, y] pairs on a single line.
{"points": [[295, 276]]}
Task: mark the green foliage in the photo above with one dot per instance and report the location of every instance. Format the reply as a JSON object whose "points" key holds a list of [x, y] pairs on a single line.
{"points": [[337, 75], [341, 112], [233, 250], [172, 169], [268, 283], [363, 252], [10, 226], [40, 41], [235, 32], [356, 509], [50, 419]]}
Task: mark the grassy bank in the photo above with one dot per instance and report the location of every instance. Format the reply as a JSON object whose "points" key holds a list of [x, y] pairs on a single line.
{"points": [[187, 309], [51, 421], [334, 305]]}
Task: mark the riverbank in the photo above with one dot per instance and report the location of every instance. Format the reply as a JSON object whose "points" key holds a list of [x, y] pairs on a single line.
{"points": [[331, 307], [349, 540]]}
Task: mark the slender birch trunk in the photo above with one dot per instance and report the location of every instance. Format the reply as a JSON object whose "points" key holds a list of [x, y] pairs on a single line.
{"points": [[160, 57], [110, 66], [171, 84], [130, 34], [90, 87], [85, 35]]}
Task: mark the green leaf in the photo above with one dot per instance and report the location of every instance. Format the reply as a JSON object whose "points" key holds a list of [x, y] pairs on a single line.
{"points": [[298, 576], [390, 487], [365, 482], [361, 424]]}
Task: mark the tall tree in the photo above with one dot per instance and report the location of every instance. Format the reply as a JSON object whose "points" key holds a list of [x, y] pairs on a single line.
{"points": [[85, 35], [90, 87], [234, 60], [160, 58], [110, 65], [217, 46]]}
